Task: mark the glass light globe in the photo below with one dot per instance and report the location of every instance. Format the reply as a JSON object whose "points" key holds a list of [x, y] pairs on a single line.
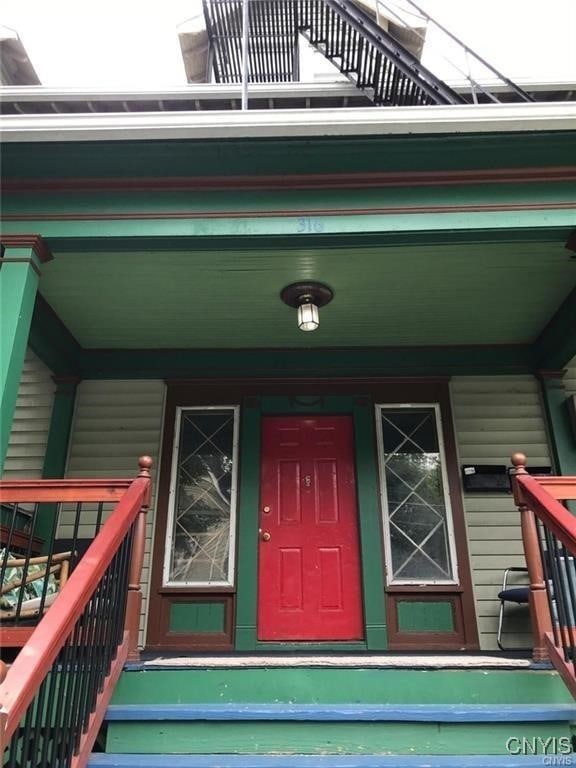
{"points": [[308, 317]]}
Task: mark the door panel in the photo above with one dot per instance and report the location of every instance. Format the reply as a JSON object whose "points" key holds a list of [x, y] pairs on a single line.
{"points": [[309, 563]]}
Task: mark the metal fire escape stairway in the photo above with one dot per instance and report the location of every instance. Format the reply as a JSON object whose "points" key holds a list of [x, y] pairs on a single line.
{"points": [[373, 59]]}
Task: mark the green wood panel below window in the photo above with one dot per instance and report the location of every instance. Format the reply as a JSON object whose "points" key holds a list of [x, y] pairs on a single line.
{"points": [[425, 616], [197, 617]]}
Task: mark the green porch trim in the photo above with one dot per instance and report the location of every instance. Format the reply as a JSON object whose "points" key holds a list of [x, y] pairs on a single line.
{"points": [[370, 524], [52, 342], [79, 244], [57, 448], [290, 363], [19, 277], [347, 224], [253, 157], [562, 441], [556, 345], [368, 511], [420, 195], [248, 503]]}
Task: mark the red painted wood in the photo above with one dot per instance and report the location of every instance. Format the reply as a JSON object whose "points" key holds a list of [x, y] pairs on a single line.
{"points": [[62, 490], [20, 540], [14, 637], [31, 667], [553, 514], [309, 569], [80, 760], [562, 488]]}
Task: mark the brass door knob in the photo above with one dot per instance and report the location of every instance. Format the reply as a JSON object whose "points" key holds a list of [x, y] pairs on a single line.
{"points": [[265, 536]]}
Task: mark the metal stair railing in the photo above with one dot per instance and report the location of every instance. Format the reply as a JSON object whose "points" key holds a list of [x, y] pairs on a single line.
{"points": [[54, 696], [368, 55], [393, 11]]}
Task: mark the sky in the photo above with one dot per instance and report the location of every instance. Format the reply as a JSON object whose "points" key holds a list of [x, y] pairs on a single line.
{"points": [[134, 43]]}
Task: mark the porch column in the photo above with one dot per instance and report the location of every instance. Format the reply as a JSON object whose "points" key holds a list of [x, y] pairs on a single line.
{"points": [[563, 441], [21, 257]]}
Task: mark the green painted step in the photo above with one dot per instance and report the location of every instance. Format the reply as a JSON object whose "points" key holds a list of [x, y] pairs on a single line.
{"points": [[333, 729], [368, 738], [304, 685]]}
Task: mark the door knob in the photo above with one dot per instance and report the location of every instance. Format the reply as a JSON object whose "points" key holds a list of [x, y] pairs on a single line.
{"points": [[265, 536]]}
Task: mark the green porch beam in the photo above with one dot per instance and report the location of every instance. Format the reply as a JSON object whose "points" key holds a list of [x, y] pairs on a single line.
{"points": [[253, 157], [562, 440], [21, 258], [52, 342], [556, 345], [265, 363], [57, 448]]}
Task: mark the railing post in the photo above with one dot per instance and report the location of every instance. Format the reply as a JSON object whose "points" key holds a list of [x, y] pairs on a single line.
{"points": [[134, 602], [539, 609]]}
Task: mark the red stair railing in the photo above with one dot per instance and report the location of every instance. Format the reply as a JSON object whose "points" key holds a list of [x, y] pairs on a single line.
{"points": [[53, 697], [549, 537]]}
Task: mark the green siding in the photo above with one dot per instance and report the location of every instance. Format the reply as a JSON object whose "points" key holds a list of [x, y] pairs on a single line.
{"points": [[425, 616], [196, 617]]}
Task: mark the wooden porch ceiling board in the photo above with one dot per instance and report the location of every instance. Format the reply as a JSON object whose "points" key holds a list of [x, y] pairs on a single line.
{"points": [[459, 294]]}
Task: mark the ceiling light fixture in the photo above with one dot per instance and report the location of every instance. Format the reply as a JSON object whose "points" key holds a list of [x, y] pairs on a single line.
{"points": [[307, 298]]}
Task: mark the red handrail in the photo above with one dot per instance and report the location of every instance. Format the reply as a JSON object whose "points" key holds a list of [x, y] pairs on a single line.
{"points": [[35, 659], [539, 499]]}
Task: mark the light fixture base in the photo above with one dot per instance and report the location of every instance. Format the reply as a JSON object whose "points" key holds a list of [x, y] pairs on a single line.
{"points": [[309, 292]]}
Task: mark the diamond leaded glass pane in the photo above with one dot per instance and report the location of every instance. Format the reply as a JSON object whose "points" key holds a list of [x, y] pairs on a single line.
{"points": [[203, 497], [414, 495]]}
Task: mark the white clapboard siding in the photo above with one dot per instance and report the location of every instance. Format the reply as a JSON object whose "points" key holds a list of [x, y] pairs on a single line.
{"points": [[115, 422], [495, 416], [31, 423]]}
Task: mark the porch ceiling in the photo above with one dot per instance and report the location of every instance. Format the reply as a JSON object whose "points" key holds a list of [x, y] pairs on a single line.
{"points": [[402, 295]]}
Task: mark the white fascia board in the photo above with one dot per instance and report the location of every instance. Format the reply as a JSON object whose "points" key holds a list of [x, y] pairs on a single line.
{"points": [[207, 91], [370, 121]]}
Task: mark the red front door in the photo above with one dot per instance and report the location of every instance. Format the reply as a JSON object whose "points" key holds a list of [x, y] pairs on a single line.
{"points": [[309, 563]]}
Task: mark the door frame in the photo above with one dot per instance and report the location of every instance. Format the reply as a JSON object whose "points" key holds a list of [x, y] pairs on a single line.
{"points": [[370, 528]]}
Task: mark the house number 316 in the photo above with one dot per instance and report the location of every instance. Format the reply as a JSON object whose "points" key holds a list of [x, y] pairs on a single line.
{"points": [[309, 226]]}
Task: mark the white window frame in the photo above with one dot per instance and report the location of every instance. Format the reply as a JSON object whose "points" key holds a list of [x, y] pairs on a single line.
{"points": [[235, 410], [380, 407]]}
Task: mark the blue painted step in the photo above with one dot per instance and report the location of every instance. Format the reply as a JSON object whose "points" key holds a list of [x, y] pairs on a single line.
{"points": [[319, 761], [446, 713]]}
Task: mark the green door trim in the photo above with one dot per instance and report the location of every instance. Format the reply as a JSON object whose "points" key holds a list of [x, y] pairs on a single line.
{"points": [[360, 408]]}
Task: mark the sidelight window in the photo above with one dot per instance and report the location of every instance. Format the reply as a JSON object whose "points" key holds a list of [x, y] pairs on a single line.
{"points": [[419, 537], [201, 522]]}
